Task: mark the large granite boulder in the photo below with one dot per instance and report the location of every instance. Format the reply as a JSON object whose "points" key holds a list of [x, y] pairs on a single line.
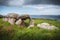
{"points": [[12, 17], [47, 26], [31, 24], [19, 22]]}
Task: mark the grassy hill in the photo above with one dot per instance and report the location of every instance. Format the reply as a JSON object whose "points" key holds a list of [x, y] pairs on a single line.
{"points": [[15, 32]]}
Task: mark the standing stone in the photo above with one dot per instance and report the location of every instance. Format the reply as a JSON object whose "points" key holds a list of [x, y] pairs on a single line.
{"points": [[31, 23], [19, 22], [12, 17], [11, 21]]}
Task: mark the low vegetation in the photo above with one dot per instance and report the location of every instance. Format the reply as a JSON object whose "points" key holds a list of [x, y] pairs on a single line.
{"points": [[15, 32]]}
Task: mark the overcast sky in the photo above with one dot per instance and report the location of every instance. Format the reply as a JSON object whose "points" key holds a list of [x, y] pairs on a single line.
{"points": [[32, 7]]}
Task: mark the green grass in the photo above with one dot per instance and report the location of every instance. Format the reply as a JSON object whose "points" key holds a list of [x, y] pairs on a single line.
{"points": [[15, 32]]}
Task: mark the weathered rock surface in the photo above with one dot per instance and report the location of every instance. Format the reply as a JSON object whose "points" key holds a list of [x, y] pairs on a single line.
{"points": [[11, 21], [19, 22], [31, 24], [46, 26]]}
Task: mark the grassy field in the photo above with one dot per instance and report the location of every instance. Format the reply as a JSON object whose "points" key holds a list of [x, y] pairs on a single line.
{"points": [[15, 32]]}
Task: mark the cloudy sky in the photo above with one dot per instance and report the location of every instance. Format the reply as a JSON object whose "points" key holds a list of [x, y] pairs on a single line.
{"points": [[32, 7]]}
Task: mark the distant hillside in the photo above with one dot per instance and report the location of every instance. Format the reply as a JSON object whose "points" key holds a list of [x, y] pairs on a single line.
{"points": [[54, 17], [1, 16]]}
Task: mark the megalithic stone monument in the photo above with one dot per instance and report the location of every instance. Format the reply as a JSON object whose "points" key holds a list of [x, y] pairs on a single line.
{"points": [[12, 17], [22, 18]]}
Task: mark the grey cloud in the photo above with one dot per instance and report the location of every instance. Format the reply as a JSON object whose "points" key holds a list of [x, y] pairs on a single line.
{"points": [[3, 2], [33, 2], [55, 2]]}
